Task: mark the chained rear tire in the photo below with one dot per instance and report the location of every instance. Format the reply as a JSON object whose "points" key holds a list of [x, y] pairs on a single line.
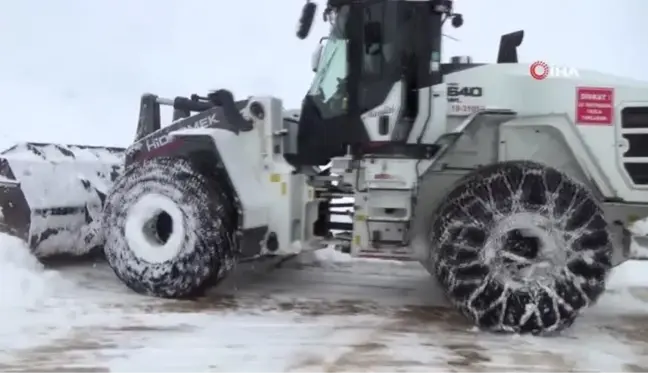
{"points": [[168, 229], [520, 247]]}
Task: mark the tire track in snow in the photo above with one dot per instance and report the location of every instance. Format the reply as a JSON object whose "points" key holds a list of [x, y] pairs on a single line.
{"points": [[317, 317]]}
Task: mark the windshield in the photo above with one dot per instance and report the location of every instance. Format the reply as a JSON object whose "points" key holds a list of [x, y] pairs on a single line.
{"points": [[328, 89]]}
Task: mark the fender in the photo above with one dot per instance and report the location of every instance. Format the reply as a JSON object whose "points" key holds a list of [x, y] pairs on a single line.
{"points": [[203, 147]]}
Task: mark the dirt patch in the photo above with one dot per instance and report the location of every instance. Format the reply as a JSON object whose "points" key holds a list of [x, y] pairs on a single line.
{"points": [[420, 318], [376, 352], [315, 308], [427, 314], [69, 353], [402, 322], [369, 346], [149, 328], [467, 356], [635, 368], [306, 363], [636, 327], [542, 361], [633, 328], [367, 356], [358, 357], [303, 307], [201, 305], [54, 369], [77, 343], [84, 348]]}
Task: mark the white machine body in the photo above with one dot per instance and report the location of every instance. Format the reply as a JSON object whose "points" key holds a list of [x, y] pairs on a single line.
{"points": [[271, 194], [594, 127]]}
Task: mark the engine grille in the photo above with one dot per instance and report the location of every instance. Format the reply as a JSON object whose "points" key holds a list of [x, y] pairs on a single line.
{"points": [[634, 128]]}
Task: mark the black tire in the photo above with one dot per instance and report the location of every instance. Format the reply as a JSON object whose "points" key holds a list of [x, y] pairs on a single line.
{"points": [[524, 204], [199, 248]]}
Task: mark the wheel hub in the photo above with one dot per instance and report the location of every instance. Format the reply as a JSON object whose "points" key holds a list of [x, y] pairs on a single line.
{"points": [[525, 248], [159, 228], [154, 228]]}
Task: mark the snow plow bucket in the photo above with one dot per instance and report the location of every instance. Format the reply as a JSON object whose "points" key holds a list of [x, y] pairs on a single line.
{"points": [[50, 194]]}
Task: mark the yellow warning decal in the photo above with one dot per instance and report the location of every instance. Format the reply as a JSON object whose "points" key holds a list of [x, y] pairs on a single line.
{"points": [[275, 178], [284, 189], [632, 218]]}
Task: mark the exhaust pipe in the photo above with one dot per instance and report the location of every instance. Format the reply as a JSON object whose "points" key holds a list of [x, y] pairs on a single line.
{"points": [[50, 194]]}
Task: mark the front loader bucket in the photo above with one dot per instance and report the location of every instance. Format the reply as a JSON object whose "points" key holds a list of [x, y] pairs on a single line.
{"points": [[50, 193]]}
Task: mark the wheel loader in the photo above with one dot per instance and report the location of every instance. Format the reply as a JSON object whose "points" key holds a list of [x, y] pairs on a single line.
{"points": [[516, 194]]}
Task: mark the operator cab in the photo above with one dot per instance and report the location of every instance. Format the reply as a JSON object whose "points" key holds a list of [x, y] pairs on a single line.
{"points": [[372, 46]]}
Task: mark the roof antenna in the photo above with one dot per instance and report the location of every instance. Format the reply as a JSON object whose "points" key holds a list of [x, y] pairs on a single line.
{"points": [[456, 20], [450, 37]]}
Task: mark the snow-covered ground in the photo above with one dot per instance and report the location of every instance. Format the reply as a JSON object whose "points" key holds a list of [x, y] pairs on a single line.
{"points": [[321, 313]]}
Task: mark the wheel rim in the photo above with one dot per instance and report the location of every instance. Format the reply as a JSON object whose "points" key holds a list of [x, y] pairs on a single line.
{"points": [[524, 249], [154, 228]]}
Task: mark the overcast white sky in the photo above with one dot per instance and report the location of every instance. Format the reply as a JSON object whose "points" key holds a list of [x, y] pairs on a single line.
{"points": [[72, 70]]}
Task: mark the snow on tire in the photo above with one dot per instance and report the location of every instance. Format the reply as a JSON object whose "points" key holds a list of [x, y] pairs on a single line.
{"points": [[521, 247], [168, 230]]}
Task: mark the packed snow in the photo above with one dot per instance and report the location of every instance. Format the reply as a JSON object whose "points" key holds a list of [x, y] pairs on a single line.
{"points": [[323, 312]]}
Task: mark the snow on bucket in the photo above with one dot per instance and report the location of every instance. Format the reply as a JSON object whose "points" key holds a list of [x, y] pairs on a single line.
{"points": [[50, 193]]}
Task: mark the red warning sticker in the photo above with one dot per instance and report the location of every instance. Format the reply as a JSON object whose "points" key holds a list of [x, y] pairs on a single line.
{"points": [[594, 105]]}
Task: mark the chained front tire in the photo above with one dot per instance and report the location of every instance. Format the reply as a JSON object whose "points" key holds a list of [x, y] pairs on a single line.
{"points": [[520, 247], [168, 229]]}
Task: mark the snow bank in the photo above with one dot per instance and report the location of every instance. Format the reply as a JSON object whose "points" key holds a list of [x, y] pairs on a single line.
{"points": [[29, 298], [331, 255], [633, 273], [24, 283], [638, 248]]}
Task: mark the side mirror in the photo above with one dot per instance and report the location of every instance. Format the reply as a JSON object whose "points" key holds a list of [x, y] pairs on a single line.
{"points": [[317, 55], [457, 20], [306, 20]]}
